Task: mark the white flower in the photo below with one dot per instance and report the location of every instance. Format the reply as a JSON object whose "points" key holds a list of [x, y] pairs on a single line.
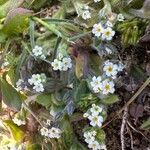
{"points": [[48, 122], [94, 145], [54, 133], [18, 121], [95, 110], [108, 34], [85, 7], [57, 64], [96, 120], [103, 147], [37, 51], [96, 81], [66, 64], [63, 65], [85, 115], [86, 15], [38, 87], [95, 84], [88, 137], [120, 17], [109, 24], [35, 79], [97, 30], [110, 69], [18, 84], [44, 131], [43, 56], [107, 87], [97, 1]]}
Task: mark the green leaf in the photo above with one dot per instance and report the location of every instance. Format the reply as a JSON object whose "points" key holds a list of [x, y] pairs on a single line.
{"points": [[15, 131], [16, 21], [10, 96], [146, 125], [101, 135], [110, 99], [81, 91], [44, 100]]}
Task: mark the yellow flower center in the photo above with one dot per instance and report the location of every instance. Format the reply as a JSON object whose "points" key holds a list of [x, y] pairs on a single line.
{"points": [[107, 33], [110, 69], [107, 87], [98, 29]]}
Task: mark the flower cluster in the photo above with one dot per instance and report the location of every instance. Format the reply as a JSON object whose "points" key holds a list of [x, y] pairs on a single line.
{"points": [[61, 63], [37, 81], [112, 69], [18, 121], [103, 31], [93, 114], [51, 133], [38, 52], [106, 86], [90, 138], [86, 13]]}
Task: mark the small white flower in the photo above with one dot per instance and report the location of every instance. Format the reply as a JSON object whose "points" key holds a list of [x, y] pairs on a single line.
{"points": [[120, 17], [35, 79], [95, 110], [18, 84], [94, 145], [85, 115], [86, 15], [96, 120], [85, 7], [38, 87], [110, 69], [97, 1], [103, 147], [37, 51], [108, 34], [54, 133], [97, 30], [48, 122], [18, 121], [107, 87], [57, 65], [89, 137], [43, 56], [109, 24], [66, 64], [44, 131], [95, 84]]}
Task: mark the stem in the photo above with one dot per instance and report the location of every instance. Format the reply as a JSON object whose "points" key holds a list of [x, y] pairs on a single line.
{"points": [[31, 112]]}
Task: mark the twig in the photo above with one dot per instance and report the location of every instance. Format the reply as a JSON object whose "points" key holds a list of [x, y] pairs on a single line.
{"points": [[130, 125], [131, 137], [32, 113], [145, 84], [124, 121]]}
